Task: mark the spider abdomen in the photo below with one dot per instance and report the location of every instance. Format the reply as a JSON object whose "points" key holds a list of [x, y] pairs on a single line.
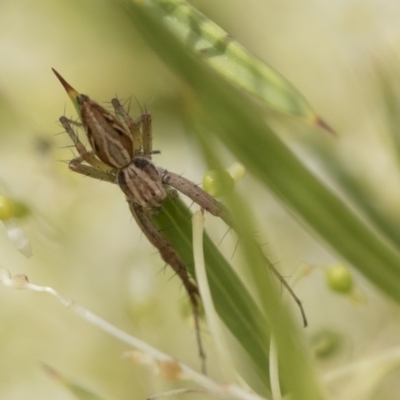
{"points": [[109, 139]]}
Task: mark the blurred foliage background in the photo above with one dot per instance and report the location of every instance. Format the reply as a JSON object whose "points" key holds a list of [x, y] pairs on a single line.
{"points": [[340, 55]]}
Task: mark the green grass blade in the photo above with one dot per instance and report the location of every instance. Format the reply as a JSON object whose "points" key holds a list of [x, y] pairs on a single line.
{"points": [[233, 303], [387, 90], [293, 353], [358, 196], [230, 59], [212, 93]]}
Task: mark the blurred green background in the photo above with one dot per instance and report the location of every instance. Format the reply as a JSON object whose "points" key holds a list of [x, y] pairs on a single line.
{"points": [[85, 243]]}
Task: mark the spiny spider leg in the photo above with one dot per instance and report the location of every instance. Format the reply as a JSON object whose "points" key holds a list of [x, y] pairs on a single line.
{"points": [[214, 207], [85, 156], [86, 170], [141, 129], [170, 256], [133, 126], [196, 193], [147, 134]]}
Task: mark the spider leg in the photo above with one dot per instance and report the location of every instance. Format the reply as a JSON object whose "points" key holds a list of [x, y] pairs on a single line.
{"points": [[84, 155], [214, 207], [133, 126], [87, 170], [197, 194], [147, 134], [170, 256]]}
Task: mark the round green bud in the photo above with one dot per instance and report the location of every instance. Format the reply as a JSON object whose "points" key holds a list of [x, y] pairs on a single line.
{"points": [[218, 183], [339, 279], [6, 208]]}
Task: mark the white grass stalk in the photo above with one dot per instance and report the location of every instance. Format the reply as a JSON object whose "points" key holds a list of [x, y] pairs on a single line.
{"points": [[213, 323]]}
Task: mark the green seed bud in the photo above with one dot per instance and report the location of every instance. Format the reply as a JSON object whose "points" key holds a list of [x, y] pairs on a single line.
{"points": [[339, 279], [6, 208]]}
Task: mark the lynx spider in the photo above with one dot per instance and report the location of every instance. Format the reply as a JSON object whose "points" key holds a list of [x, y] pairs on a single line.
{"points": [[121, 153]]}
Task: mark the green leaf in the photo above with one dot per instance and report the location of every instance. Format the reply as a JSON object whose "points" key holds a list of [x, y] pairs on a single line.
{"points": [[230, 59], [233, 303]]}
